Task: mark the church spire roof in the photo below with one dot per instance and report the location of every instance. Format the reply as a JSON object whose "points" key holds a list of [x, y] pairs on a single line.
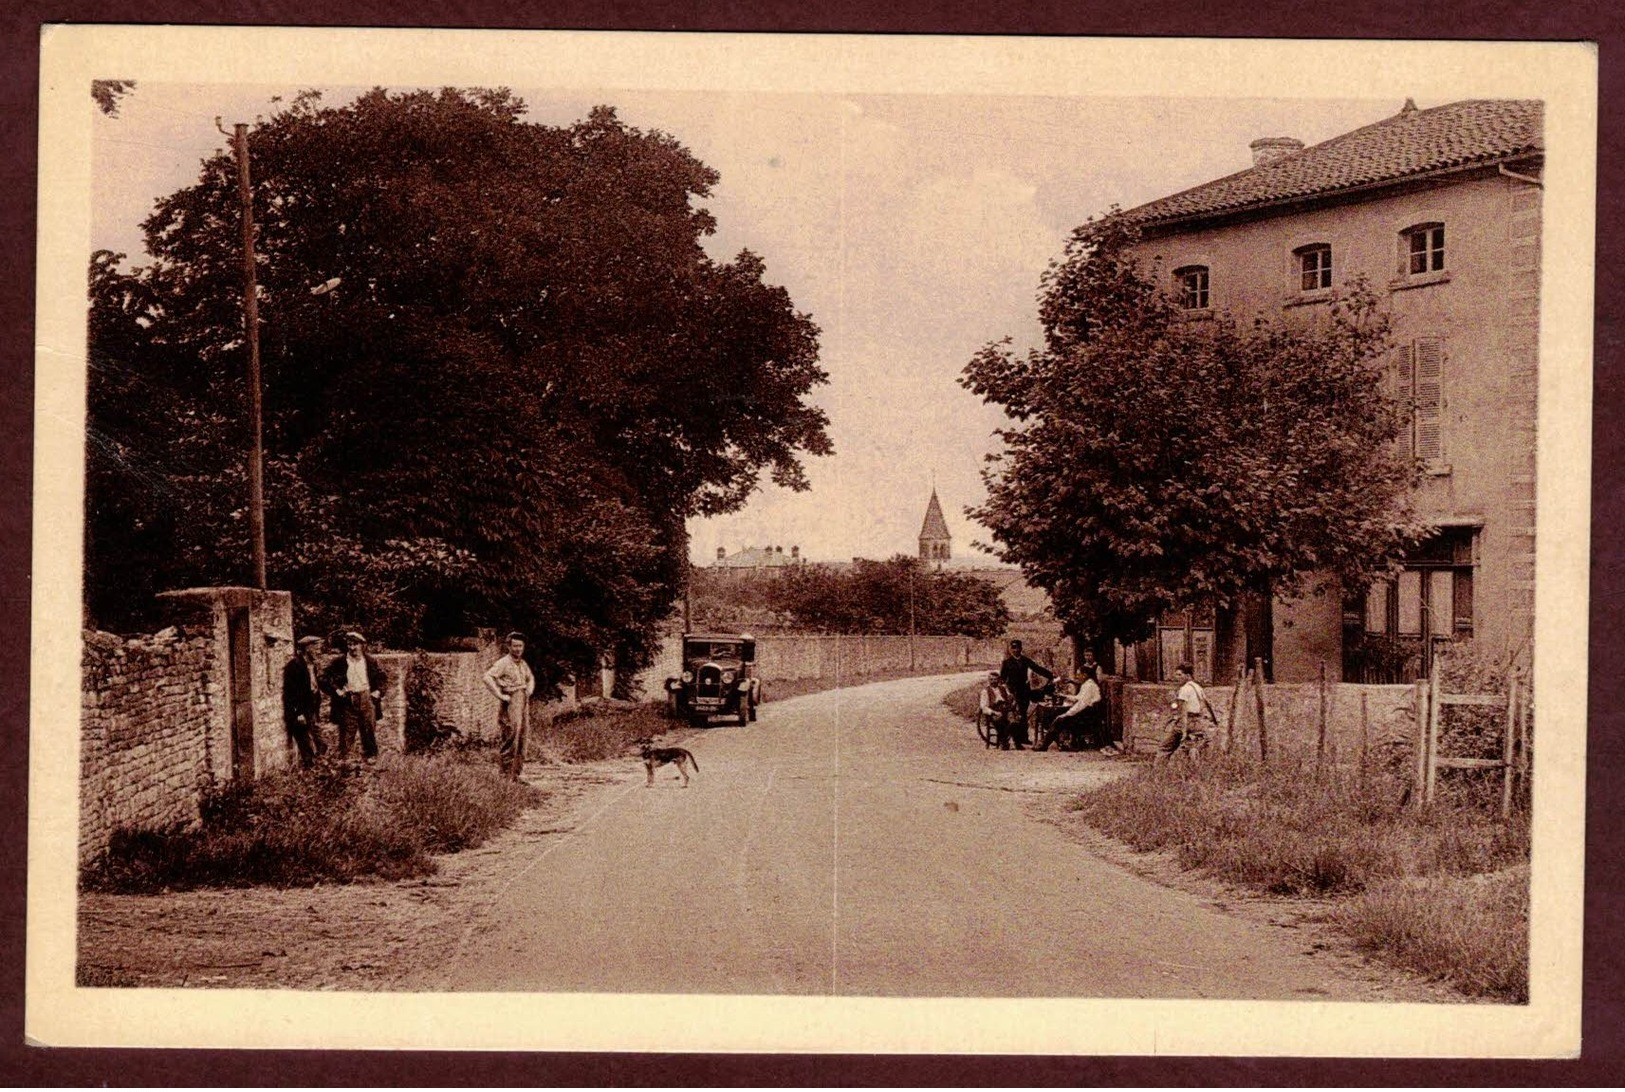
{"points": [[935, 526]]}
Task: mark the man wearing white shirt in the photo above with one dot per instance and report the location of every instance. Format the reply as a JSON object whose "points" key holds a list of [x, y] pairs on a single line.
{"points": [[1081, 714], [355, 682], [512, 681]]}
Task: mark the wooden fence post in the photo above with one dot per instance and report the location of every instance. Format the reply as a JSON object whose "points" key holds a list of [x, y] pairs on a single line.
{"points": [[1365, 738], [1431, 768], [1509, 743], [1258, 699], [1421, 739], [1230, 714], [1320, 739]]}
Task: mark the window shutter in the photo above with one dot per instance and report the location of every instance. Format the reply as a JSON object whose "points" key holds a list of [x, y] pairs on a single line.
{"points": [[1404, 380], [1429, 385]]}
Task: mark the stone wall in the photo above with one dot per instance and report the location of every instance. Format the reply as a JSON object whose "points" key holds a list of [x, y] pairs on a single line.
{"points": [[1291, 717], [796, 657], [149, 705], [156, 710]]}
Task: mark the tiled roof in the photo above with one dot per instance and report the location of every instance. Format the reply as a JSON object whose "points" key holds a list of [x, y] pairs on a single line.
{"points": [[935, 526], [757, 557], [1412, 142]]}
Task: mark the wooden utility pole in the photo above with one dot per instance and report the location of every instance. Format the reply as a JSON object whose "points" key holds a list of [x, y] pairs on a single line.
{"points": [[911, 654], [251, 329]]}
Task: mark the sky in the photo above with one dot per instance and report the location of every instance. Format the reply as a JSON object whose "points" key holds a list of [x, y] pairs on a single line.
{"points": [[913, 229]]}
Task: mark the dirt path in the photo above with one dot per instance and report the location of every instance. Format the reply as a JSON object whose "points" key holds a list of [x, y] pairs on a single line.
{"points": [[857, 842]]}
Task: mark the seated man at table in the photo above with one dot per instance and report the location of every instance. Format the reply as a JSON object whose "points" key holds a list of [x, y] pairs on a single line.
{"points": [[1082, 717]]}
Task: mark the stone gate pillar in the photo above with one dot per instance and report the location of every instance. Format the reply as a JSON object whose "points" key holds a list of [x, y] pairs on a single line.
{"points": [[252, 632]]}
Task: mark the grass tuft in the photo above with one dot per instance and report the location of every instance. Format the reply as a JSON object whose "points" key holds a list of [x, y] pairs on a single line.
{"points": [[332, 824], [1470, 931], [595, 732]]}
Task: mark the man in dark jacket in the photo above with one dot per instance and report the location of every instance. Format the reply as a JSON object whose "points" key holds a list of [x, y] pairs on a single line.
{"points": [[302, 700], [1017, 671], [355, 681]]}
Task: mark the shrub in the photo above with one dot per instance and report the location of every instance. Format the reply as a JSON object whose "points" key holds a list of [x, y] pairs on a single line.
{"points": [[331, 824]]}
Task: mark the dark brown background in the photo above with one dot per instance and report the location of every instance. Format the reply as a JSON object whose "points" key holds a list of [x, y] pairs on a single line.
{"points": [[1603, 1062]]}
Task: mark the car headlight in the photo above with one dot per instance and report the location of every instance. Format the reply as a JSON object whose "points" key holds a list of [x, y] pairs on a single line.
{"points": [[688, 676], [727, 676]]}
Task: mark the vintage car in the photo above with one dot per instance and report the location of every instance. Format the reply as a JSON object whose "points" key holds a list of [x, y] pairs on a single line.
{"points": [[718, 678]]}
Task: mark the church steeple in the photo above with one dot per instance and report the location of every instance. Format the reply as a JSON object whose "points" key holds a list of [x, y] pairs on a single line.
{"points": [[935, 542]]}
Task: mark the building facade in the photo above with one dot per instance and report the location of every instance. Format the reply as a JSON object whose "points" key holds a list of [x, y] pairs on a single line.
{"points": [[1440, 210]]}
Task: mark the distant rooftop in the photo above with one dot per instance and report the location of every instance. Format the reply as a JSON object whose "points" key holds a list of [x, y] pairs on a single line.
{"points": [[758, 557], [1412, 143]]}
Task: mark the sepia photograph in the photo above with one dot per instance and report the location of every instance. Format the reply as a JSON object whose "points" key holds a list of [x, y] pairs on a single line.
{"points": [[723, 542]]}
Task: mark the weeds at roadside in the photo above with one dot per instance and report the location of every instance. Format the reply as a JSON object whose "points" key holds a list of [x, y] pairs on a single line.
{"points": [[334, 823], [1283, 830], [964, 701], [1471, 931], [594, 732]]}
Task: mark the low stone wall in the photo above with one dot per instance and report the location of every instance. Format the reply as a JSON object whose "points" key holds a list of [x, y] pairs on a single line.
{"points": [[1291, 717], [156, 710], [795, 657], [150, 709]]}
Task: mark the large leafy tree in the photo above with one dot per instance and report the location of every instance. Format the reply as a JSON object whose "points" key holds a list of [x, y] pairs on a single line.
{"points": [[1156, 463], [499, 373]]}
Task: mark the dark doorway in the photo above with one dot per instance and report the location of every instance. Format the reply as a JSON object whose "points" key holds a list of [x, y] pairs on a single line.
{"points": [[242, 694]]}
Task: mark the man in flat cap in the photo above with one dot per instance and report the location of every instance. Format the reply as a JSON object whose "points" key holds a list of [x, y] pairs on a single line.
{"points": [[302, 700], [512, 681], [355, 681]]}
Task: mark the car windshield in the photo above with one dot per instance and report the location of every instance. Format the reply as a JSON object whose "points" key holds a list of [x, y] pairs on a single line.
{"points": [[714, 650]]}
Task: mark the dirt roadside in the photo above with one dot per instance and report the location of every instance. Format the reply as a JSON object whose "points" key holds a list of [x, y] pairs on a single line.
{"points": [[362, 936]]}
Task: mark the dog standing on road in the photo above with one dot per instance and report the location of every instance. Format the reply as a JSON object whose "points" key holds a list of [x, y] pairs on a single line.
{"points": [[658, 756]]}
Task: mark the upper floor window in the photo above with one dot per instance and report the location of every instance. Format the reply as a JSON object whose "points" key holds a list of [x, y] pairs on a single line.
{"points": [[1423, 249], [1314, 267], [1419, 373], [1192, 281]]}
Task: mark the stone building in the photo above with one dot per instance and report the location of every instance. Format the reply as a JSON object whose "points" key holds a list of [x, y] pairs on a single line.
{"points": [[1440, 209]]}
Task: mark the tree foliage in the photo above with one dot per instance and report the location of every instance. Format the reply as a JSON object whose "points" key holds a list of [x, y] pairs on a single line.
{"points": [[108, 94], [499, 373], [901, 595], [1156, 463]]}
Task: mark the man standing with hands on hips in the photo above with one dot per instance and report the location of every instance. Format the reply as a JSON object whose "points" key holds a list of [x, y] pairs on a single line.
{"points": [[512, 681]]}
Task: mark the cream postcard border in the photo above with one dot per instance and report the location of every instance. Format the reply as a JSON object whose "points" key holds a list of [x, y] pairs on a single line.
{"points": [[1564, 75]]}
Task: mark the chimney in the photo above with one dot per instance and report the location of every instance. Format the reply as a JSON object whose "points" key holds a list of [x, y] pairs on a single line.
{"points": [[1273, 149], [722, 553], [795, 552]]}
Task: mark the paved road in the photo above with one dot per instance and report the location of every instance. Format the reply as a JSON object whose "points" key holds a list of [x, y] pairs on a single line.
{"points": [[863, 842]]}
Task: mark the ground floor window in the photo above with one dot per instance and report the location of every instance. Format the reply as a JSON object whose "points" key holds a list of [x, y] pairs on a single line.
{"points": [[1390, 632]]}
